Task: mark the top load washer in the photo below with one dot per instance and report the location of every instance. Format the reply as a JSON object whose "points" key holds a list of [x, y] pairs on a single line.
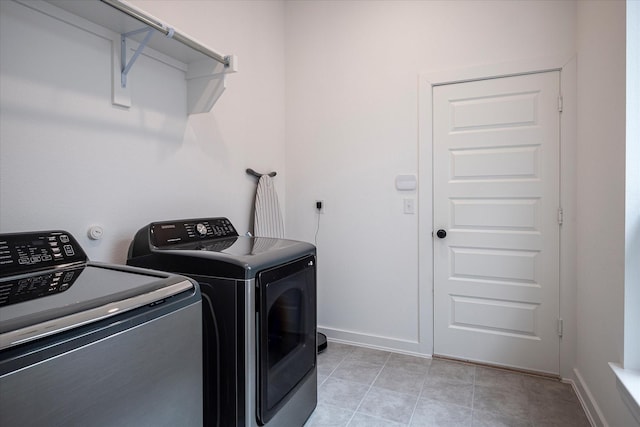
{"points": [[84, 343], [259, 317]]}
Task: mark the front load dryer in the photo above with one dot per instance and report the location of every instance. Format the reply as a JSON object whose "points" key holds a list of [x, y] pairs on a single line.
{"points": [[259, 317]]}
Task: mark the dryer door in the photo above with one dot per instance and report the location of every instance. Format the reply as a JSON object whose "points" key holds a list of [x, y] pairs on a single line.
{"points": [[286, 333]]}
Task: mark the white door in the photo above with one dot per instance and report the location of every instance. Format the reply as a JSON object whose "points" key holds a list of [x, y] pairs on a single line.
{"points": [[496, 195]]}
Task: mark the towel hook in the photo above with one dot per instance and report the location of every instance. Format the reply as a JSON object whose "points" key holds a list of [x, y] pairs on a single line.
{"points": [[258, 175]]}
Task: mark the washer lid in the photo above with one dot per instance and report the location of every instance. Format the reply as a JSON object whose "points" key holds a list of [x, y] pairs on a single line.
{"points": [[236, 257], [241, 246], [36, 305], [210, 247]]}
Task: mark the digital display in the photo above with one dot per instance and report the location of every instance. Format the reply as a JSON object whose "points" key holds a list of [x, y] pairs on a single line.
{"points": [[172, 233], [165, 234], [28, 252]]}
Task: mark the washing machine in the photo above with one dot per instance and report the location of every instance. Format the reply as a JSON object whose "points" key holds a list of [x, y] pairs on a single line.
{"points": [[259, 317], [90, 344]]}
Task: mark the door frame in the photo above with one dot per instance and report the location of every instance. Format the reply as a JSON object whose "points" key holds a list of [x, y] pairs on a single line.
{"points": [[566, 65]]}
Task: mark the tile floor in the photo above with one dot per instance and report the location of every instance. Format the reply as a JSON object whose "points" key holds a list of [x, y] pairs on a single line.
{"points": [[368, 388]]}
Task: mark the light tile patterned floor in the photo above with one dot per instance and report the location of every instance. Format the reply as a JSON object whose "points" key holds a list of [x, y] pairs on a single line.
{"points": [[367, 388]]}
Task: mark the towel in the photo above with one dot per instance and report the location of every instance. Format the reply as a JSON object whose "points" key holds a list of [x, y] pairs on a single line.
{"points": [[268, 218]]}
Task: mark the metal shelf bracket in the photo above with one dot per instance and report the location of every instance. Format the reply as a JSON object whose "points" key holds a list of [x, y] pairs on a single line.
{"points": [[126, 66]]}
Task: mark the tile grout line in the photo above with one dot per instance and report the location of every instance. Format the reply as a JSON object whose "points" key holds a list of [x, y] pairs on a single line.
{"points": [[337, 365], [415, 406], [368, 390], [333, 370], [473, 393]]}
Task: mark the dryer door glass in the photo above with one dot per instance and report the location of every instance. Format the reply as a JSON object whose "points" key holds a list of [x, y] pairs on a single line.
{"points": [[286, 332]]}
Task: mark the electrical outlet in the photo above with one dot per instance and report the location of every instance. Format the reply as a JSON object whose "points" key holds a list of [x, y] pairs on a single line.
{"points": [[320, 206]]}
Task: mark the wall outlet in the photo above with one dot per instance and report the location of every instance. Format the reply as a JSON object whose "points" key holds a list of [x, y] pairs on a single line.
{"points": [[320, 206]]}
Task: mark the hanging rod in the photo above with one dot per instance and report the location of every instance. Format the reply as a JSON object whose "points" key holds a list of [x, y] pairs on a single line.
{"points": [[258, 175], [167, 31]]}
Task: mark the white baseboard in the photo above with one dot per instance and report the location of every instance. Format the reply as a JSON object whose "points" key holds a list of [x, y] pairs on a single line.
{"points": [[588, 402], [412, 348]]}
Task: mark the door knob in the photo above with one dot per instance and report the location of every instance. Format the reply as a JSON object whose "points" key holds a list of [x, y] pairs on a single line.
{"points": [[441, 233]]}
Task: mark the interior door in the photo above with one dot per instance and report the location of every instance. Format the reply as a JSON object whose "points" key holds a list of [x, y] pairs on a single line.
{"points": [[496, 197]]}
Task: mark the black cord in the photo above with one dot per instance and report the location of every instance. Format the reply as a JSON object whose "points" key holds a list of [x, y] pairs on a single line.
{"points": [[317, 229]]}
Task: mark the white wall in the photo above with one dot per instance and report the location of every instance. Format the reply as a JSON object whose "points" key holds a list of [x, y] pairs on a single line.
{"points": [[339, 82], [69, 159], [600, 202], [352, 126]]}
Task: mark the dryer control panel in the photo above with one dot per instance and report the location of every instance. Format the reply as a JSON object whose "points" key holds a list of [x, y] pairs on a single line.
{"points": [[34, 251], [189, 230]]}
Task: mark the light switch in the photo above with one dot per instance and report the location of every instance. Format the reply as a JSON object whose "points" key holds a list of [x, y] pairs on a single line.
{"points": [[409, 206]]}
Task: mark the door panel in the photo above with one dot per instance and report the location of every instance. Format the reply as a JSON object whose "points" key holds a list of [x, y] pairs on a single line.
{"points": [[496, 193]]}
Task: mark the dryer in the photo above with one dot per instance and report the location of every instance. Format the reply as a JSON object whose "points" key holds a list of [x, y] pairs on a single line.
{"points": [[259, 317]]}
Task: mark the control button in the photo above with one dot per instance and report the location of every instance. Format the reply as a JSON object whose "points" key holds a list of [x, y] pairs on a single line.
{"points": [[35, 258], [55, 250], [68, 250], [46, 257], [53, 244], [64, 238], [201, 229], [23, 261]]}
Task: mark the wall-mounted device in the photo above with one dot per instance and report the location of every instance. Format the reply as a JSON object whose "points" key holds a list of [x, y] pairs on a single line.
{"points": [[406, 182]]}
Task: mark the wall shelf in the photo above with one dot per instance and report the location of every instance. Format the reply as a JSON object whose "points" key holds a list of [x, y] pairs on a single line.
{"points": [[134, 32]]}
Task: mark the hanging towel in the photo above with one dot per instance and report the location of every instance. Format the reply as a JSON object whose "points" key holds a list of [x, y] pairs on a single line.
{"points": [[268, 218]]}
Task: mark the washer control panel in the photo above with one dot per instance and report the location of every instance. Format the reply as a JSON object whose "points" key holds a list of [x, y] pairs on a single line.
{"points": [[34, 251], [190, 230]]}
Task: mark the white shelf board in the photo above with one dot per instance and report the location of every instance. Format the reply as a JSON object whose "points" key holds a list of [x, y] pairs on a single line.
{"points": [[108, 17], [205, 75]]}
